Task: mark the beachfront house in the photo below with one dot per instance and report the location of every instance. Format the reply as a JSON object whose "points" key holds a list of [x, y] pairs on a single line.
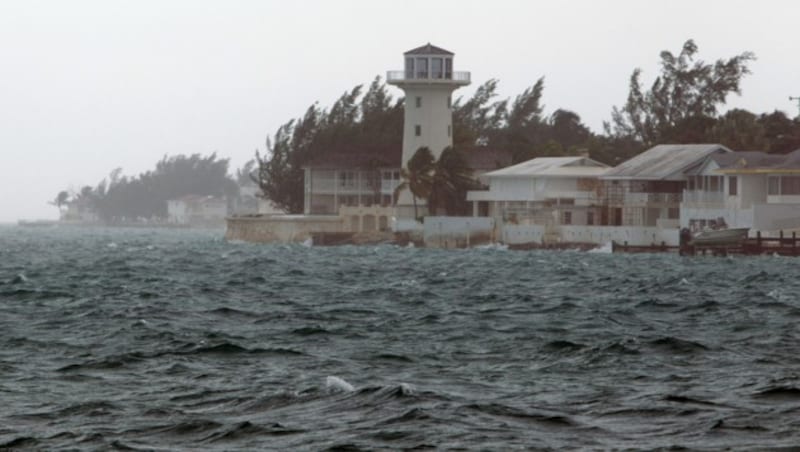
{"points": [[549, 191], [646, 190], [197, 210], [744, 189], [339, 180]]}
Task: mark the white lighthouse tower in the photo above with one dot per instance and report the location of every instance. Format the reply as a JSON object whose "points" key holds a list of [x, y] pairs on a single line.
{"points": [[428, 81]]}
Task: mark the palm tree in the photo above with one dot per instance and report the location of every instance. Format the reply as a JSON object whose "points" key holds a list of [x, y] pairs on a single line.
{"points": [[61, 199], [452, 178], [417, 176]]}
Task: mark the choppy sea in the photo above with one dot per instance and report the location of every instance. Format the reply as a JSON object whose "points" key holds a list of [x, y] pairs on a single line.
{"points": [[147, 339]]}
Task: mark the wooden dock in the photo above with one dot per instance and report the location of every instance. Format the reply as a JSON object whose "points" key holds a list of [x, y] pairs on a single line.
{"points": [[783, 245]]}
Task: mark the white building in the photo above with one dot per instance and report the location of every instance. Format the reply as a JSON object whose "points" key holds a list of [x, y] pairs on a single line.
{"points": [[646, 190], [428, 81], [197, 210], [339, 180], [545, 190], [744, 189]]}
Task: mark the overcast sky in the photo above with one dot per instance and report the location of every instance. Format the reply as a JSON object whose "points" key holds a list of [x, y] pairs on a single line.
{"points": [[89, 86]]}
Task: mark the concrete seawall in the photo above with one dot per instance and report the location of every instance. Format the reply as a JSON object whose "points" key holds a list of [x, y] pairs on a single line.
{"points": [[280, 228]]}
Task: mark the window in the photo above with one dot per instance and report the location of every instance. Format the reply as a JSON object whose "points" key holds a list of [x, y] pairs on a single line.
{"points": [[409, 67], [422, 67], [419, 101], [418, 130], [733, 189], [567, 217], [448, 68], [790, 185], [773, 185], [714, 183], [347, 179], [436, 68]]}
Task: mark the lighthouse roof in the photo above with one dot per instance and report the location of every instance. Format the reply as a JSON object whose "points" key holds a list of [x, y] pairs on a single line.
{"points": [[428, 49]]}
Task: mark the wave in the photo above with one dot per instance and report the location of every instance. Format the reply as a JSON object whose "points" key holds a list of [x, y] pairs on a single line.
{"points": [[779, 393], [548, 419], [680, 346]]}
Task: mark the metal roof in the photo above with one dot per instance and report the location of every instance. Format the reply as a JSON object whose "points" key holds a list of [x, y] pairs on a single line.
{"points": [[553, 167], [664, 162], [428, 49], [756, 161]]}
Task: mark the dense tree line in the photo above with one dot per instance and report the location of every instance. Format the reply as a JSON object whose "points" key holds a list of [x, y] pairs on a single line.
{"points": [[120, 198], [681, 106]]}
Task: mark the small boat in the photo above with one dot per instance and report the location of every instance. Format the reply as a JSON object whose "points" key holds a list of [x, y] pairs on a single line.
{"points": [[720, 237]]}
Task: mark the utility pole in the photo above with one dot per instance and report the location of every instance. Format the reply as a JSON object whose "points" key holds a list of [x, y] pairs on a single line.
{"points": [[798, 104]]}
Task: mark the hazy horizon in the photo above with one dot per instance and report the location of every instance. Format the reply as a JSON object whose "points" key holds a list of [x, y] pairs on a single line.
{"points": [[89, 86]]}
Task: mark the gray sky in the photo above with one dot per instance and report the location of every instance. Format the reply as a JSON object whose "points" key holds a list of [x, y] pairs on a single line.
{"points": [[89, 86]]}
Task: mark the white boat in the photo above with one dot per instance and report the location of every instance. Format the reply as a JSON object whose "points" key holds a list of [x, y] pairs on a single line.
{"points": [[720, 237]]}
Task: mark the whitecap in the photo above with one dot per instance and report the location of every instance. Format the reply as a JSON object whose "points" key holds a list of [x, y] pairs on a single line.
{"points": [[309, 242], [493, 246], [606, 248], [112, 245], [407, 389], [338, 384]]}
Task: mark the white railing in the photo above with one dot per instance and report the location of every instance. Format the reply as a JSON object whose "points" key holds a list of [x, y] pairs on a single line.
{"points": [[388, 186], [400, 76], [703, 197], [652, 198]]}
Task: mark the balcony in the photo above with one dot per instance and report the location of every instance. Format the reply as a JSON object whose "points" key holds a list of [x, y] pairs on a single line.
{"points": [[452, 78]]}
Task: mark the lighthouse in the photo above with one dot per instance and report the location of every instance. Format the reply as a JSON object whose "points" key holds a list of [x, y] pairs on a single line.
{"points": [[428, 81]]}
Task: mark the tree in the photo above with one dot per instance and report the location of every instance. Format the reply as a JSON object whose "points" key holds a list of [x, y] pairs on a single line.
{"points": [[567, 129], [452, 178], [738, 129], [371, 124], [417, 177], [60, 199], [476, 120], [782, 132], [686, 88], [246, 175]]}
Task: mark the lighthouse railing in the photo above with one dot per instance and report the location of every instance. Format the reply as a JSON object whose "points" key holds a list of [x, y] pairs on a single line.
{"points": [[399, 76]]}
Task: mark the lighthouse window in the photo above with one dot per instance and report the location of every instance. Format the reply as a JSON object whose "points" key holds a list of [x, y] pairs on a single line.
{"points": [[422, 67], [436, 68], [418, 130], [419, 101], [448, 68], [409, 68]]}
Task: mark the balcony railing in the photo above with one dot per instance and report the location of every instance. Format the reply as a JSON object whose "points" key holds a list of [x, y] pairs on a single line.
{"points": [[427, 76], [703, 197], [652, 198]]}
